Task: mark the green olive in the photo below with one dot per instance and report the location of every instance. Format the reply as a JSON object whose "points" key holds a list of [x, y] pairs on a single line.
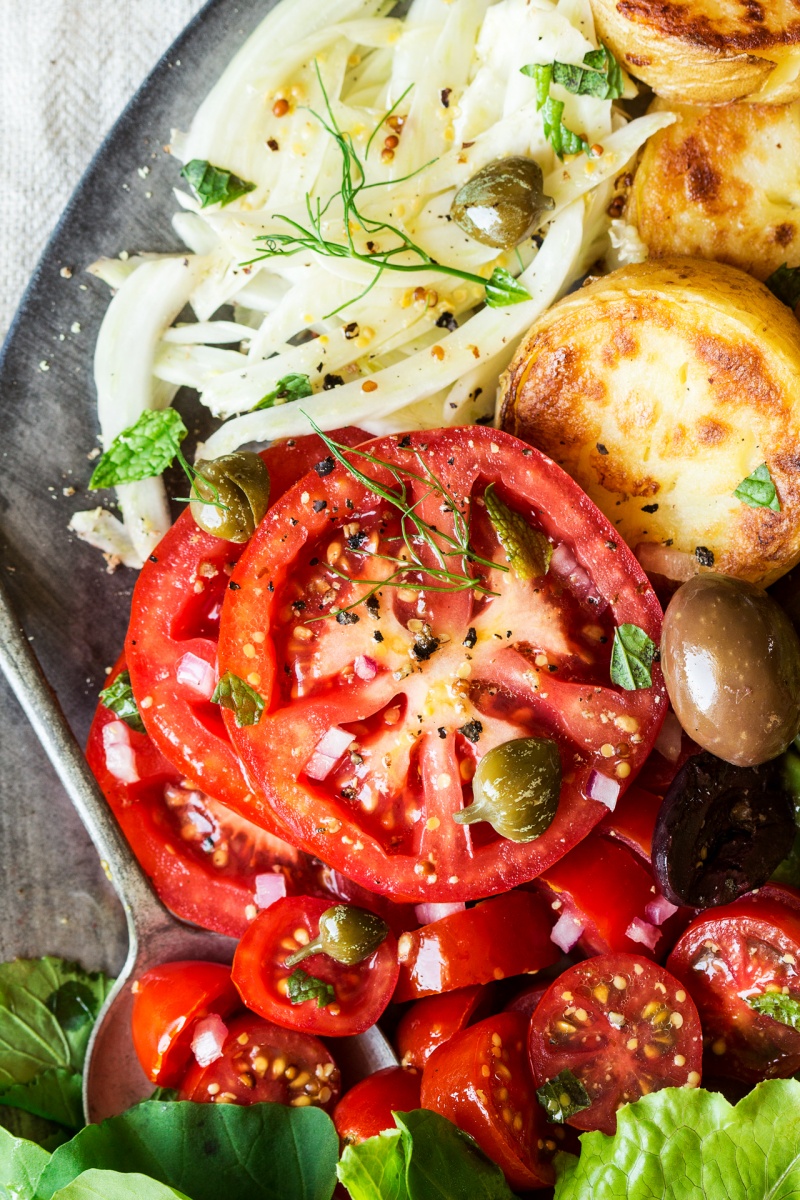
{"points": [[516, 789], [347, 934], [504, 203], [230, 495]]}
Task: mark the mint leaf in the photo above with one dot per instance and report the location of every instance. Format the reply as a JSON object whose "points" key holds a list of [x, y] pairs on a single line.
{"points": [[785, 284], [54, 1095], [632, 655], [119, 697], [113, 1185], [291, 387], [563, 140], [758, 490], [258, 1151], [444, 1163], [141, 451], [21, 1164], [502, 289], [542, 76], [780, 1007], [527, 549], [214, 185], [233, 693], [301, 987], [600, 76], [563, 1096], [375, 1169]]}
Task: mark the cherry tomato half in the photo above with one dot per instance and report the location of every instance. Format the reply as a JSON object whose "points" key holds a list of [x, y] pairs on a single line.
{"points": [[633, 820], [480, 1079], [262, 1062], [367, 1108], [433, 1020], [169, 1000], [507, 935], [375, 718], [355, 995], [623, 1026]]}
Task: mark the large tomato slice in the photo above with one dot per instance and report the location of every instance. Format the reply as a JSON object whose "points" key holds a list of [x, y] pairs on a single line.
{"points": [[420, 683]]}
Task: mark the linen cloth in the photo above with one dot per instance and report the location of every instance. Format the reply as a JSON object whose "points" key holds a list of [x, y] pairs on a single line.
{"points": [[67, 69]]}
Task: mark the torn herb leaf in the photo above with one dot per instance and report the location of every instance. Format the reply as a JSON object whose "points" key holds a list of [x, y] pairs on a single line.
{"points": [[780, 1007], [563, 140], [527, 549], [141, 451], [502, 289], [301, 987], [291, 387], [758, 490], [214, 185], [234, 694], [599, 76], [632, 656], [119, 698], [562, 1097]]}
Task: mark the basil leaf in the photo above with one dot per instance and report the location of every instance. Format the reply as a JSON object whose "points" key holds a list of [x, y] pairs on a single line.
{"points": [[632, 655], [375, 1169], [502, 289], [257, 1151], [141, 451], [542, 76], [233, 693], [759, 490], [54, 1095], [114, 1185], [527, 549], [563, 1096], [21, 1164], [562, 139], [785, 284], [301, 987], [119, 697], [444, 1163], [780, 1007], [291, 387], [214, 185]]}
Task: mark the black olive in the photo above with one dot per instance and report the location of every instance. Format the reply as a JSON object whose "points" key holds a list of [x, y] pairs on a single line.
{"points": [[721, 831]]}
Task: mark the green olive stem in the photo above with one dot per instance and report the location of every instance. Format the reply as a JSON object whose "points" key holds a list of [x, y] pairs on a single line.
{"points": [[314, 947], [470, 815]]}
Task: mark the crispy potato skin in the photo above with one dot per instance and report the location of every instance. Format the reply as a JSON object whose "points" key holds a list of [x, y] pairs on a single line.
{"points": [[723, 182], [659, 388], [707, 51]]}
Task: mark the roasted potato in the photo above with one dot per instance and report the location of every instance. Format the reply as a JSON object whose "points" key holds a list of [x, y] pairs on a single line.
{"points": [[660, 388], [707, 51], [723, 182]]}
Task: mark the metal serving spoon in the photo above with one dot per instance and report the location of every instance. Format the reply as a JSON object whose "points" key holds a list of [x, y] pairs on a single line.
{"points": [[113, 1079]]}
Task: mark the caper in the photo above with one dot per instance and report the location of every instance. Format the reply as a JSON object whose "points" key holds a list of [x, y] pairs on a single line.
{"points": [[230, 495], [347, 934], [516, 789], [504, 203]]}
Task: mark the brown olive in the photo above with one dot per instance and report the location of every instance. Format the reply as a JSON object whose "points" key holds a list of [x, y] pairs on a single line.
{"points": [[230, 495], [504, 203], [731, 662]]}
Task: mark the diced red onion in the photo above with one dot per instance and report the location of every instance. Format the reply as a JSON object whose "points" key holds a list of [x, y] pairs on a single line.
{"points": [[563, 560], [120, 754], [660, 910], [365, 667], [566, 932], [196, 673], [327, 752], [604, 789], [670, 738], [208, 1039], [270, 886], [427, 913], [640, 931], [565, 565]]}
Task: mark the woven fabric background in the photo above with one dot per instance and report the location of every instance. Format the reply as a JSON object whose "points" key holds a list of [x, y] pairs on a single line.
{"points": [[67, 69]]}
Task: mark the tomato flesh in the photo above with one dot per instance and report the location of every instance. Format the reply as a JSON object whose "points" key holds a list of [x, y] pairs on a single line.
{"points": [[434, 1019], [366, 1110], [361, 991], [633, 820], [623, 1026]]}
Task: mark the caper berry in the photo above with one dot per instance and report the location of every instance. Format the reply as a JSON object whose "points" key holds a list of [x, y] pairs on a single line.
{"points": [[347, 934], [230, 495], [504, 203], [516, 789]]}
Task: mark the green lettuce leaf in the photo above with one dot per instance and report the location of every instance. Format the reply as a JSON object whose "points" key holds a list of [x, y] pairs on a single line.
{"points": [[21, 1164], [25, 1125], [214, 185], [443, 1163], [632, 655], [141, 451], [375, 1169], [112, 1185]]}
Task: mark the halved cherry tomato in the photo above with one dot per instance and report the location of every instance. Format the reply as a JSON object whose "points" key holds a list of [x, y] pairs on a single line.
{"points": [[360, 992], [481, 1080], [169, 1000], [729, 955], [262, 1062], [423, 682], [367, 1108], [623, 1026], [508, 935], [633, 820], [434, 1019]]}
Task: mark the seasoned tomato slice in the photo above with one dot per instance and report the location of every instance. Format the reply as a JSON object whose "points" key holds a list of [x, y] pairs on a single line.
{"points": [[434, 1019], [386, 677], [366, 1110], [624, 1027], [261, 1062], [727, 958]]}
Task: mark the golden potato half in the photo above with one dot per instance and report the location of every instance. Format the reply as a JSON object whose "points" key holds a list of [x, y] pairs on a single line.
{"points": [[707, 51], [660, 388], [723, 182]]}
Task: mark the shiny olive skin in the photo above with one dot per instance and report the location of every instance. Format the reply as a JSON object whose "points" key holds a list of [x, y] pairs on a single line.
{"points": [[238, 481], [731, 662], [516, 789], [503, 204]]}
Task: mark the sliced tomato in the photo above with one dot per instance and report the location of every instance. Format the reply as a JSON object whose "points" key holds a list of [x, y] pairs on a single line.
{"points": [[171, 647], [262, 1062], [726, 957], [508, 935], [481, 1080], [366, 1110], [623, 1026], [170, 999], [633, 820], [360, 992], [424, 682], [434, 1019]]}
